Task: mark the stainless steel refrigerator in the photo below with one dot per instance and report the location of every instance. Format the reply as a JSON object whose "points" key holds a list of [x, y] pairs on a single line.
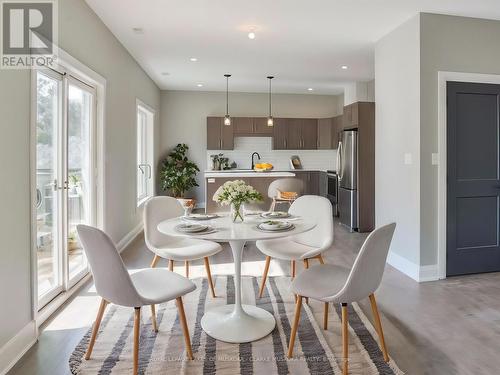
{"points": [[347, 170]]}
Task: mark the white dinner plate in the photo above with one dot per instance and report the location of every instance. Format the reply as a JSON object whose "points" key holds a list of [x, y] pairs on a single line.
{"points": [[190, 228], [275, 226], [275, 215], [201, 217]]}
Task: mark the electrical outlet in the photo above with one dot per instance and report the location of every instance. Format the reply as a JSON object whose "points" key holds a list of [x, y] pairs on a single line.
{"points": [[408, 159], [435, 158]]}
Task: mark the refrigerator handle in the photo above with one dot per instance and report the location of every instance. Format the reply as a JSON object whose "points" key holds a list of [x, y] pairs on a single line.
{"points": [[339, 161]]}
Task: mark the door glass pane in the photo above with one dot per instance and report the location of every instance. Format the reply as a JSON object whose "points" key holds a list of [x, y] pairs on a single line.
{"points": [[142, 171], [48, 259], [79, 174]]}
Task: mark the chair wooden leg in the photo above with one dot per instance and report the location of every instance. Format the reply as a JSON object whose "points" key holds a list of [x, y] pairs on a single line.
{"points": [[186, 265], [264, 277], [95, 329], [209, 276], [378, 326], [306, 263], [153, 318], [345, 339], [306, 266], [185, 330], [171, 265], [298, 306], [325, 316], [155, 261], [137, 332], [320, 258], [292, 267]]}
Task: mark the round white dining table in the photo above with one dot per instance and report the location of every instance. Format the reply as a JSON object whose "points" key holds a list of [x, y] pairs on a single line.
{"points": [[236, 323]]}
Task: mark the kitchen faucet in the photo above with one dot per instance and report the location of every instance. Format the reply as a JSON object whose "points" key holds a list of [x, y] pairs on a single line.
{"points": [[255, 153]]}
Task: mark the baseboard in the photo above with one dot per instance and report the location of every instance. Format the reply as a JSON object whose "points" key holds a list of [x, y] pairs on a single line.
{"points": [[129, 237], [413, 270], [404, 265], [17, 346], [429, 273]]}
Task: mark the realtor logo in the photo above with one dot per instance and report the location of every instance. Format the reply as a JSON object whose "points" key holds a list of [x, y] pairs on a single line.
{"points": [[28, 34]]}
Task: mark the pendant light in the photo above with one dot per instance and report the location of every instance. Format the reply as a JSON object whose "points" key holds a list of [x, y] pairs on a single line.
{"points": [[227, 118], [270, 121]]}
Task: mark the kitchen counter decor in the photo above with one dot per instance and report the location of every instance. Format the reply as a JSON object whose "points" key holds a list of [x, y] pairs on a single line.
{"points": [[236, 193]]}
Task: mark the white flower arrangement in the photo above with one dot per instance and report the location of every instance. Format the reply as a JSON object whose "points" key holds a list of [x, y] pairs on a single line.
{"points": [[236, 192]]}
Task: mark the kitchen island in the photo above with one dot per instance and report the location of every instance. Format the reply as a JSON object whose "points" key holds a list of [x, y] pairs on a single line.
{"points": [[260, 181]]}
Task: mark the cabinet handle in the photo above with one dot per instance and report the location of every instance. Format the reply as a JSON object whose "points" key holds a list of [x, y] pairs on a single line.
{"points": [[220, 143], [284, 142]]}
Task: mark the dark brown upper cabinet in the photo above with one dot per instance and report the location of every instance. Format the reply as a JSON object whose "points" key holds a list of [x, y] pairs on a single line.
{"points": [[280, 134], [295, 134], [325, 134], [252, 126], [219, 136], [351, 116], [328, 132]]}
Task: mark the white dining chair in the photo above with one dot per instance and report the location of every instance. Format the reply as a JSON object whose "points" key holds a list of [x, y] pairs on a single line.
{"points": [[284, 185], [305, 246], [115, 285], [158, 209], [330, 283]]}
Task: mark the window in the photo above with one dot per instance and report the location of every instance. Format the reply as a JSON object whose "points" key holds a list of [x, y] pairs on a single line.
{"points": [[145, 127]]}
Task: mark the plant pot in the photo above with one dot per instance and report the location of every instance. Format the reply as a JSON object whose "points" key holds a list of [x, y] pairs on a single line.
{"points": [[187, 204]]}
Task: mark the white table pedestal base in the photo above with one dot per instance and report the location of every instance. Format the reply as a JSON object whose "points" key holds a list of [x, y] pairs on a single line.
{"points": [[237, 323], [226, 324]]}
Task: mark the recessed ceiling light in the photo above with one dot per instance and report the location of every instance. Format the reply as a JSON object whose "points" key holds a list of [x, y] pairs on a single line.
{"points": [[199, 84], [165, 73], [251, 35], [138, 30], [193, 59], [310, 89], [344, 67]]}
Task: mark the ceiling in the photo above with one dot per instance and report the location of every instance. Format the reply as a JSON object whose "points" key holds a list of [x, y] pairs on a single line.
{"points": [[303, 43]]}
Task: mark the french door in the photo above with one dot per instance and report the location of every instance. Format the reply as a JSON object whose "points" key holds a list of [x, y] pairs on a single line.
{"points": [[65, 179]]}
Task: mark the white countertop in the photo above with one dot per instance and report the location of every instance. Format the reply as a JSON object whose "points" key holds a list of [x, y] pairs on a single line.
{"points": [[246, 173]]}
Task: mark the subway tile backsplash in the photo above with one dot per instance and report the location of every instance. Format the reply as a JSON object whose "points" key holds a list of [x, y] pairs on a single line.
{"points": [[244, 146]]}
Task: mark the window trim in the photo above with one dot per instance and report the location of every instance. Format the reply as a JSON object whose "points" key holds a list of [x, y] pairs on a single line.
{"points": [[150, 126]]}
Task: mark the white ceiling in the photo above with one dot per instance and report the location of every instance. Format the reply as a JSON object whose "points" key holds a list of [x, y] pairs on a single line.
{"points": [[303, 43]]}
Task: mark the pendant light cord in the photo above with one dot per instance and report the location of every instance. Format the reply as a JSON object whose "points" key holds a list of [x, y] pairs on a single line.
{"points": [[270, 96]]}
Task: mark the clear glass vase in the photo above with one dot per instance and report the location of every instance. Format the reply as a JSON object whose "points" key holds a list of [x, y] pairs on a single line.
{"points": [[237, 212]]}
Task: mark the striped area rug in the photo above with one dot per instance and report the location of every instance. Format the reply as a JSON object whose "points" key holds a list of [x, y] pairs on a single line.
{"points": [[316, 351]]}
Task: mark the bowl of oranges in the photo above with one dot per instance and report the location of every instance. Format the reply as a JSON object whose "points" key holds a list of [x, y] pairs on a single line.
{"points": [[263, 167]]}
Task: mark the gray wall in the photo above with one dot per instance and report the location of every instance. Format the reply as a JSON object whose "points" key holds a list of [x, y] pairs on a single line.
{"points": [[84, 36], [397, 132], [184, 117], [456, 44]]}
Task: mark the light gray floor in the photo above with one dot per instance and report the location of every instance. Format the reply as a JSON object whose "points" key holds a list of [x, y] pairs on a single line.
{"points": [[439, 328]]}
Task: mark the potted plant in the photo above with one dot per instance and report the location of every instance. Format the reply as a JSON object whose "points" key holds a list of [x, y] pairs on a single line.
{"points": [[72, 242], [178, 173], [236, 193]]}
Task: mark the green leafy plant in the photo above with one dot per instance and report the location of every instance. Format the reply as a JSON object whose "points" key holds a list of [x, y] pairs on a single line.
{"points": [[177, 173]]}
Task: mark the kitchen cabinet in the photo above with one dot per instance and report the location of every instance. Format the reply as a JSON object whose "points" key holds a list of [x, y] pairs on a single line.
{"points": [[310, 180], [325, 134], [280, 134], [328, 132], [351, 116], [252, 126], [219, 136], [295, 134], [337, 127]]}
